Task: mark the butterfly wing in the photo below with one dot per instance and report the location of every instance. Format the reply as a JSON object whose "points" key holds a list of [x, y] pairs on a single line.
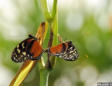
{"points": [[35, 50], [27, 49], [70, 52], [20, 53], [66, 50]]}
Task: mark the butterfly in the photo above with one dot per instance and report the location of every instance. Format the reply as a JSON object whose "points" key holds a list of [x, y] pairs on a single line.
{"points": [[66, 51], [28, 49]]}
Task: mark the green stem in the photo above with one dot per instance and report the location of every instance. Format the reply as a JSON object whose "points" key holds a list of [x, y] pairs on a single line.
{"points": [[52, 18], [49, 16], [54, 9], [45, 9], [44, 74], [54, 27]]}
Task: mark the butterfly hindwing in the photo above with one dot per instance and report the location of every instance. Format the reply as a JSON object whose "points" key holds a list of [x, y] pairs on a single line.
{"points": [[70, 52]]}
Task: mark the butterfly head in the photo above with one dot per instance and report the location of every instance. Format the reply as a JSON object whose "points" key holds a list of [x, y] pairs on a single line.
{"points": [[30, 36]]}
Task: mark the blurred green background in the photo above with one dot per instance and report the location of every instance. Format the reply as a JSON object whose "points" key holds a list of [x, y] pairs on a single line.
{"points": [[88, 23]]}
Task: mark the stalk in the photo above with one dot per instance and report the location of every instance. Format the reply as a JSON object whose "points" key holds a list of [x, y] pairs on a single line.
{"points": [[52, 19]]}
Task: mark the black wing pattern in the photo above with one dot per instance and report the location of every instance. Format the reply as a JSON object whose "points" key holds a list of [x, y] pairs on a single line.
{"points": [[70, 53], [21, 52]]}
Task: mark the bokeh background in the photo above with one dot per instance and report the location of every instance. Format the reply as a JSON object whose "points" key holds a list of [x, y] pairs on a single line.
{"points": [[88, 23]]}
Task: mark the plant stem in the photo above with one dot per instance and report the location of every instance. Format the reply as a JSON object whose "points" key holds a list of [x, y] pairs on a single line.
{"points": [[45, 9], [54, 10], [52, 19], [49, 16], [44, 75], [54, 27]]}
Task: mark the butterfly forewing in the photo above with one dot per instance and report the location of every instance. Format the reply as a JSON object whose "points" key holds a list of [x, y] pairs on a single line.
{"points": [[27, 49], [20, 53]]}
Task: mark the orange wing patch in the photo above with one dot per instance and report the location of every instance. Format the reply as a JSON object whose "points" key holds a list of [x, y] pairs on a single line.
{"points": [[36, 49], [56, 49], [28, 49], [66, 51]]}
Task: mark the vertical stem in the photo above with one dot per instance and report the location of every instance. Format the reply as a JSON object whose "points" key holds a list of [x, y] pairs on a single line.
{"points": [[49, 16], [45, 9], [52, 18], [44, 75], [54, 28], [54, 11]]}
